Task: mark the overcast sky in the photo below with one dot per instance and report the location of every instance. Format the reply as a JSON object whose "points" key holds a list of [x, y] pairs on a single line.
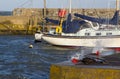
{"points": [[9, 5]]}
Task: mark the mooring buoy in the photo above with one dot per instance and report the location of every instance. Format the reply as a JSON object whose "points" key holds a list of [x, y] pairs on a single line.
{"points": [[30, 46]]}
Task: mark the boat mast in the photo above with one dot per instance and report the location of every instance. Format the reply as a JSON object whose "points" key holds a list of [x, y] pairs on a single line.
{"points": [[117, 8], [70, 6], [117, 5], [44, 8]]}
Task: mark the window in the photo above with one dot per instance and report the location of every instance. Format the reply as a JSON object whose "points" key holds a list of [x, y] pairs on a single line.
{"points": [[108, 34], [87, 34], [98, 34]]}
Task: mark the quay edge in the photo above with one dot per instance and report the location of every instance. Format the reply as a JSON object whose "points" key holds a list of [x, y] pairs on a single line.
{"points": [[66, 70]]}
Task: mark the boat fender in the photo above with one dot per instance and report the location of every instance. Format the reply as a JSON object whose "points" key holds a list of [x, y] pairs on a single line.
{"points": [[58, 30], [75, 61]]}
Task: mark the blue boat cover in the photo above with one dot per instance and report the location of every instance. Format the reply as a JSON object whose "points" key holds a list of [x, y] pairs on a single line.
{"points": [[113, 21], [69, 25]]}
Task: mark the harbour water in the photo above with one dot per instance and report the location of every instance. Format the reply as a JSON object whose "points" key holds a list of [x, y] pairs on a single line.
{"points": [[18, 61]]}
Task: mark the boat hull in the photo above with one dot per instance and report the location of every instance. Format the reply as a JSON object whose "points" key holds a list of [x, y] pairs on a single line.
{"points": [[107, 42], [38, 37]]}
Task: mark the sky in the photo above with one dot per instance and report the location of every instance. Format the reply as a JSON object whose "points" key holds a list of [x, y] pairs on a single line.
{"points": [[10, 5]]}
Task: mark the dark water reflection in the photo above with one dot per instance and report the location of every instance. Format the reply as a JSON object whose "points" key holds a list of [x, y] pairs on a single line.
{"points": [[18, 61]]}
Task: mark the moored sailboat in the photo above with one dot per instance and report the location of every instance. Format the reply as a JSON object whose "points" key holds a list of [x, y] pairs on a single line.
{"points": [[89, 33]]}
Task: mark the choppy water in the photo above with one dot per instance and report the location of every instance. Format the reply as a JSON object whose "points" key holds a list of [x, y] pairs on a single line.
{"points": [[18, 61]]}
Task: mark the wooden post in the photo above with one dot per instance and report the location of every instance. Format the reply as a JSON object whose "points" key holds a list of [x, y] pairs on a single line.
{"points": [[44, 15]]}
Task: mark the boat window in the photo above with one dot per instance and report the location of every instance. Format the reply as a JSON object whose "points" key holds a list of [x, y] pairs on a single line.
{"points": [[86, 25], [87, 34], [98, 34], [108, 33], [94, 24]]}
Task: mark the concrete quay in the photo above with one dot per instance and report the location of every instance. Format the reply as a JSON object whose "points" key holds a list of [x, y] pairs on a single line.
{"points": [[67, 70]]}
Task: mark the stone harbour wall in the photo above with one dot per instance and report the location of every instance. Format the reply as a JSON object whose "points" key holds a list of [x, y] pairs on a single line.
{"points": [[32, 18], [53, 12]]}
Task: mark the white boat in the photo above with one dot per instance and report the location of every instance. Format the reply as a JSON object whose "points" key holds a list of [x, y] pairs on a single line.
{"points": [[96, 31], [38, 36], [107, 35]]}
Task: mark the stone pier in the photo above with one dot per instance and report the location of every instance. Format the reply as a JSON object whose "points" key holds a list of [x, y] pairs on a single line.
{"points": [[67, 70]]}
